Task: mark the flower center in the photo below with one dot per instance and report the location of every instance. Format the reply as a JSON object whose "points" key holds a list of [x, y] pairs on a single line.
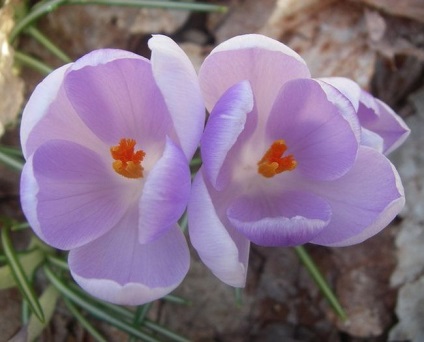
{"points": [[273, 161], [127, 161]]}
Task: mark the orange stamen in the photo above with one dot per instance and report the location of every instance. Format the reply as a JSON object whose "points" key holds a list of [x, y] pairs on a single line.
{"points": [[127, 161], [273, 161]]}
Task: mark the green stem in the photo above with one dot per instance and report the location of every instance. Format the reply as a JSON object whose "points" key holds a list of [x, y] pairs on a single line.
{"points": [[320, 281], [48, 44], [187, 6], [32, 63]]}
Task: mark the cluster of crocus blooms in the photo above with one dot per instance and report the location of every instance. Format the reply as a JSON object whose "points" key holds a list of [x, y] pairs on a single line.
{"points": [[287, 160]]}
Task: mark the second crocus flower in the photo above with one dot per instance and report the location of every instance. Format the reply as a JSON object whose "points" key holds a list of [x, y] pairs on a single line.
{"points": [[287, 159]]}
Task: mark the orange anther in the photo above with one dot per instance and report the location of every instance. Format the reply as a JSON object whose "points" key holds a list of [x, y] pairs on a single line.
{"points": [[127, 161], [273, 161]]}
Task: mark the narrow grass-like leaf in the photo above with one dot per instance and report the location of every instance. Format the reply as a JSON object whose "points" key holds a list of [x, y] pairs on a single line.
{"points": [[48, 44], [10, 161], [177, 5], [140, 316], [316, 275], [25, 312], [32, 63], [164, 331], [93, 309], [238, 292], [29, 262], [11, 151], [84, 322], [16, 226], [130, 316], [177, 300], [56, 261], [36, 12], [48, 302], [19, 275]]}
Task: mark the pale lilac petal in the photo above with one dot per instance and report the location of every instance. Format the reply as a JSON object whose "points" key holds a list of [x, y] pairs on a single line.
{"points": [[70, 196], [347, 87], [363, 202], [319, 137], [49, 115], [285, 219], [38, 104], [177, 80], [266, 63], [221, 248], [345, 103], [165, 194], [103, 56], [118, 269], [226, 122], [371, 139], [382, 120], [119, 99]]}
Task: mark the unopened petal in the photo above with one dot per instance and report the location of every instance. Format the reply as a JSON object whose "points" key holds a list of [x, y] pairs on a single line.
{"points": [[286, 219], [266, 63], [226, 122], [177, 80], [70, 196], [363, 202], [316, 133], [221, 248], [165, 193], [118, 269]]}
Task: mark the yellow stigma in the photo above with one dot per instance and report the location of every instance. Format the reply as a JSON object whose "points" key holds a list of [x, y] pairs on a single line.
{"points": [[273, 161], [127, 161]]}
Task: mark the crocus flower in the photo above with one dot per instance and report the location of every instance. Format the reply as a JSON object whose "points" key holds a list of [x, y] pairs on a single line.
{"points": [[107, 141], [287, 159]]}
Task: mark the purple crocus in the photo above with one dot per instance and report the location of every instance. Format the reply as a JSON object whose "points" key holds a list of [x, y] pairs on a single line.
{"points": [[287, 159], [107, 141]]}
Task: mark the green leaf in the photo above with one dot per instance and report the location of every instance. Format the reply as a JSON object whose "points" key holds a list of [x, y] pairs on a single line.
{"points": [[29, 262], [11, 151], [35, 13], [320, 281], [19, 274], [84, 322], [48, 302], [11, 162], [91, 308], [32, 63], [48, 44], [177, 5]]}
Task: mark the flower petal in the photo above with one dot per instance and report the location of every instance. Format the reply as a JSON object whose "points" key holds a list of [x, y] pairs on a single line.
{"points": [[38, 104], [118, 99], [226, 122], [266, 63], [165, 193], [49, 115], [177, 80], [373, 114], [321, 140], [117, 269], [386, 123], [363, 202], [70, 196], [221, 248], [287, 219]]}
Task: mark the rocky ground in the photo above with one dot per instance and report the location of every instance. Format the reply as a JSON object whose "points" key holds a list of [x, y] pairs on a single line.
{"points": [[380, 283]]}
